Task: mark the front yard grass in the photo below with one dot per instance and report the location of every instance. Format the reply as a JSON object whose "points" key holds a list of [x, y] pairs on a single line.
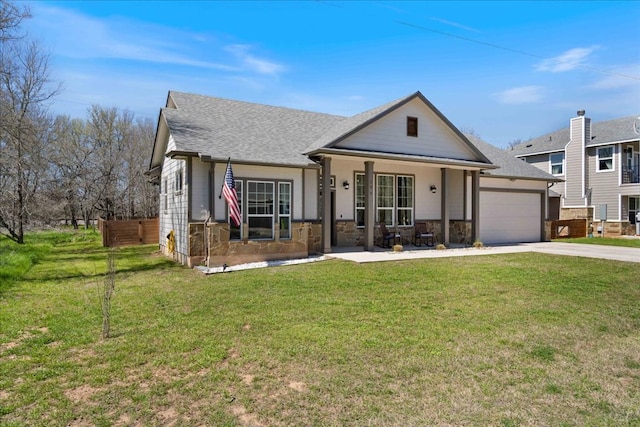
{"points": [[518, 339], [607, 241]]}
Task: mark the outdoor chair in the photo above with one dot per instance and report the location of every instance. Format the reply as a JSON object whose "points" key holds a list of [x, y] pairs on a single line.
{"points": [[422, 235], [387, 236]]}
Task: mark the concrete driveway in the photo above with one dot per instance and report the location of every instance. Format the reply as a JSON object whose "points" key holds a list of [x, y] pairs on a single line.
{"points": [[555, 248]]}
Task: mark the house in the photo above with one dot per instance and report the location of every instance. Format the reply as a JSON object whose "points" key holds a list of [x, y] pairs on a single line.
{"points": [[308, 182], [600, 165]]}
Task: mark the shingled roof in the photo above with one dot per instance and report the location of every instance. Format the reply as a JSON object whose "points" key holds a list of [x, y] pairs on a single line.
{"points": [[253, 133], [216, 129], [510, 166], [604, 132]]}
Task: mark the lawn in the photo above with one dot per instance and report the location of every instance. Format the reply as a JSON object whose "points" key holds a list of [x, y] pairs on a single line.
{"points": [[512, 340], [607, 241]]}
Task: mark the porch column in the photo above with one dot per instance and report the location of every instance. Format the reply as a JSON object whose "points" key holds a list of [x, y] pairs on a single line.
{"points": [[444, 206], [326, 205], [475, 206], [369, 207]]}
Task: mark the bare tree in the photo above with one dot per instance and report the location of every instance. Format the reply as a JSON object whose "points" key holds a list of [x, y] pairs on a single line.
{"points": [[25, 87], [11, 17], [513, 143]]}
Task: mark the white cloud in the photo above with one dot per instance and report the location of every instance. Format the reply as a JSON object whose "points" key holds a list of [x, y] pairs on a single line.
{"points": [[253, 63], [521, 95], [624, 76], [78, 36], [569, 60]]}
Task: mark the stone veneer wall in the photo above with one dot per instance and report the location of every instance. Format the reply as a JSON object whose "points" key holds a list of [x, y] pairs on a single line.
{"points": [[628, 229], [232, 252], [576, 213], [314, 240]]}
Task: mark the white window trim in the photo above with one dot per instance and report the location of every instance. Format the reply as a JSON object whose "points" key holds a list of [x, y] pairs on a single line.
{"points": [[391, 208], [395, 208], [165, 195], [413, 202], [287, 215], [275, 217], [274, 207], [178, 182], [551, 164], [613, 163], [355, 199]]}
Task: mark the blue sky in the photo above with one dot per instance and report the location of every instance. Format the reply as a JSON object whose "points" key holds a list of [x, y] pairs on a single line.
{"points": [[506, 70]]}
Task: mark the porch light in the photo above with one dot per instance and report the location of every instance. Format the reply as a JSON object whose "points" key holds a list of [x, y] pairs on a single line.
{"points": [[433, 188], [345, 184]]}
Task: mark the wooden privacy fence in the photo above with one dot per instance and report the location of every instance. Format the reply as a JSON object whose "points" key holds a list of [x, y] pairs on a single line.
{"points": [[128, 232], [568, 228]]}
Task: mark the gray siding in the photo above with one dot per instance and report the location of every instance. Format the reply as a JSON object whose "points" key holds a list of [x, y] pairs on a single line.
{"points": [[604, 185]]}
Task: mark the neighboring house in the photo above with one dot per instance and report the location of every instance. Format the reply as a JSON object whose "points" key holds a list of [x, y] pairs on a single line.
{"points": [[600, 165], [308, 182]]}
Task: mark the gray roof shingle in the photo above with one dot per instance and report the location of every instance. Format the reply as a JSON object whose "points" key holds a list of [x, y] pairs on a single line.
{"points": [[254, 133], [510, 166], [621, 129], [221, 128]]}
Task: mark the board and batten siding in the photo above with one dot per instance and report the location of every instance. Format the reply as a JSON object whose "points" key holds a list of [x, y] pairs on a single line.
{"points": [[575, 164], [175, 216], [389, 135], [604, 185]]}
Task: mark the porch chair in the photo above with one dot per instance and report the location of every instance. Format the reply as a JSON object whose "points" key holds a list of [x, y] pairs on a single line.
{"points": [[422, 235], [388, 235]]}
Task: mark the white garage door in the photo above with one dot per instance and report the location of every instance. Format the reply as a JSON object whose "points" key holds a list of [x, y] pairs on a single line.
{"points": [[509, 217]]}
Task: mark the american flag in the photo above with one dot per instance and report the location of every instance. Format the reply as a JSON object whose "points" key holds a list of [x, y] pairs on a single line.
{"points": [[229, 192]]}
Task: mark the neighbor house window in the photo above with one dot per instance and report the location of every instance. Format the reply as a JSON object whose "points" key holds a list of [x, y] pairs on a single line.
{"points": [[412, 126], [605, 159], [385, 199], [556, 162], [405, 200], [284, 209], [634, 208], [360, 199]]}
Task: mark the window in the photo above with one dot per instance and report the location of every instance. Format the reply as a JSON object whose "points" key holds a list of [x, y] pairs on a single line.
{"points": [[165, 201], [394, 200], [284, 210], [405, 200], [385, 199], [258, 208], [235, 231], [556, 163], [634, 208], [412, 126], [360, 200], [604, 159], [178, 181]]}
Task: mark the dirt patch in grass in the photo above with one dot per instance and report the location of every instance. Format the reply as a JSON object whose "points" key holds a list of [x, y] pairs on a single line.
{"points": [[83, 394]]}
